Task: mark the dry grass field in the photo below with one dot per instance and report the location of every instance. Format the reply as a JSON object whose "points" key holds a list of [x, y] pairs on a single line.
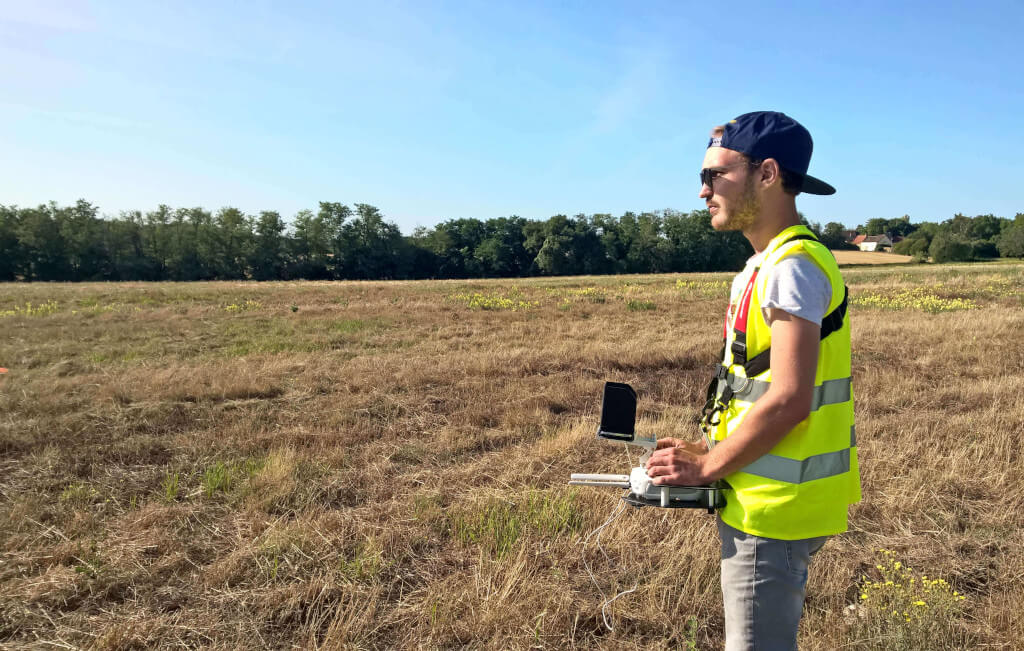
{"points": [[384, 464], [846, 258]]}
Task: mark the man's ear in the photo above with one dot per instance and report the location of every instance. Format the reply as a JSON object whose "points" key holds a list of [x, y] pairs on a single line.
{"points": [[770, 172]]}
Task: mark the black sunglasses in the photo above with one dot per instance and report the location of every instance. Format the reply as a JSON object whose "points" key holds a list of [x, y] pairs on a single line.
{"points": [[709, 174]]}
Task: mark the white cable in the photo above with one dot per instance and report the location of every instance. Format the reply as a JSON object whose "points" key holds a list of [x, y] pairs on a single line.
{"points": [[609, 602], [616, 512]]}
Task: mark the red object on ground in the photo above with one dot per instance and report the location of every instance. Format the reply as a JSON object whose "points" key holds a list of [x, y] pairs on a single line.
{"points": [[3, 370]]}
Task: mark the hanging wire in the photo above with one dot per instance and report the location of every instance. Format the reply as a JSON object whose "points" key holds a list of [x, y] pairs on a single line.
{"points": [[616, 512]]}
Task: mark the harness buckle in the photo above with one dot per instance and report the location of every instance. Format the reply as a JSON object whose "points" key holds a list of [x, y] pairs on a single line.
{"points": [[715, 416], [739, 351], [743, 388], [713, 408]]}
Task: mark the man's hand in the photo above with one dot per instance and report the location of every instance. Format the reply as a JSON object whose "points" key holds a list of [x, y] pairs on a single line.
{"points": [[794, 360], [676, 465], [689, 446]]}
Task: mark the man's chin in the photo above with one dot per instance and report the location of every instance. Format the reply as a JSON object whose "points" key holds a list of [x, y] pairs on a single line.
{"points": [[720, 222]]}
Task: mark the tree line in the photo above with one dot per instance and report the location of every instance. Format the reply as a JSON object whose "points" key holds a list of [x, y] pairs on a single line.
{"points": [[338, 241], [958, 239]]}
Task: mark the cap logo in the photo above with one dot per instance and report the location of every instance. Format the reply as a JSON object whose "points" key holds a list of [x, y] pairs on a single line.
{"points": [[715, 142]]}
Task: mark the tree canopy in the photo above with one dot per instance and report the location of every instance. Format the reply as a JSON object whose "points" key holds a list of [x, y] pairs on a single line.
{"points": [[338, 241]]}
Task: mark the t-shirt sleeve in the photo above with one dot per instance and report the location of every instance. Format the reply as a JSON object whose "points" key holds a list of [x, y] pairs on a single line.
{"points": [[797, 285]]}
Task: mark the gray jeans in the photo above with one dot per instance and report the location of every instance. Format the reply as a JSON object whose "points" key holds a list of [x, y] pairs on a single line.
{"points": [[763, 584]]}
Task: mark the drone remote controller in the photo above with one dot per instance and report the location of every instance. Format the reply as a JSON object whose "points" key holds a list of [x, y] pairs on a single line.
{"points": [[618, 423]]}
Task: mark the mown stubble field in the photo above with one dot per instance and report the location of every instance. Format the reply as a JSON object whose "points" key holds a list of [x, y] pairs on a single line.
{"points": [[383, 464]]}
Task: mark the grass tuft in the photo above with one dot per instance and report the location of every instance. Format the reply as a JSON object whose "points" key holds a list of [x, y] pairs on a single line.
{"points": [[223, 477], [78, 494], [637, 305], [170, 486]]}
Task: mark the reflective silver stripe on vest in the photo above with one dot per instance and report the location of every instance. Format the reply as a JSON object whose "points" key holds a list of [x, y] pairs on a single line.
{"points": [[829, 392], [794, 471], [853, 437]]}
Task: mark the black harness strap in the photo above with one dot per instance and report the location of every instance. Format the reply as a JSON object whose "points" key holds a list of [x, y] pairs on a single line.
{"points": [[761, 362]]}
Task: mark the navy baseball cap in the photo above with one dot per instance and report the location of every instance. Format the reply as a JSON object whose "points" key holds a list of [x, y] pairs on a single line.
{"points": [[770, 134]]}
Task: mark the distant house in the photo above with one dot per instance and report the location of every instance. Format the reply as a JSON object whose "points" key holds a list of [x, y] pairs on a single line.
{"points": [[872, 242]]}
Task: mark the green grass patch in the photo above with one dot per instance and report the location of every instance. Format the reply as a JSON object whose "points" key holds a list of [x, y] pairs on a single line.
{"points": [[364, 564], [103, 357], [78, 494], [427, 508], [170, 487], [497, 524], [638, 305], [223, 477], [267, 335], [350, 326]]}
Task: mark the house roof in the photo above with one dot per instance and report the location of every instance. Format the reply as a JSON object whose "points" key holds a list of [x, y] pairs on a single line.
{"points": [[859, 239], [872, 238]]}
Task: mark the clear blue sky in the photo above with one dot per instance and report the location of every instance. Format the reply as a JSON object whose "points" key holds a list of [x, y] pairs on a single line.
{"points": [[434, 111]]}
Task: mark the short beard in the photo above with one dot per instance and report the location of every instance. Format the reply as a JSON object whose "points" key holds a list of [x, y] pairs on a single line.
{"points": [[747, 209]]}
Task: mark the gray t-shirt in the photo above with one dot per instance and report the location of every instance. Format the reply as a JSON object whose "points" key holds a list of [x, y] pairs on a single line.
{"points": [[795, 285]]}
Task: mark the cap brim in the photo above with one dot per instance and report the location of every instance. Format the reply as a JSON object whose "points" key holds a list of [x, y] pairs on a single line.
{"points": [[812, 185]]}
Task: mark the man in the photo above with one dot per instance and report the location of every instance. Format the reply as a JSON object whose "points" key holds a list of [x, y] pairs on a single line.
{"points": [[780, 409]]}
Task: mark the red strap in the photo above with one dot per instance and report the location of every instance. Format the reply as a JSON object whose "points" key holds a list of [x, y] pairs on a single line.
{"points": [[740, 321]]}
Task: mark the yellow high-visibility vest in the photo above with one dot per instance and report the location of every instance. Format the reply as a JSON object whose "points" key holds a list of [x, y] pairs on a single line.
{"points": [[803, 486]]}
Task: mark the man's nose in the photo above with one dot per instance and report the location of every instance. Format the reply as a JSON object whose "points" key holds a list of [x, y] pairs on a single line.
{"points": [[705, 191]]}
